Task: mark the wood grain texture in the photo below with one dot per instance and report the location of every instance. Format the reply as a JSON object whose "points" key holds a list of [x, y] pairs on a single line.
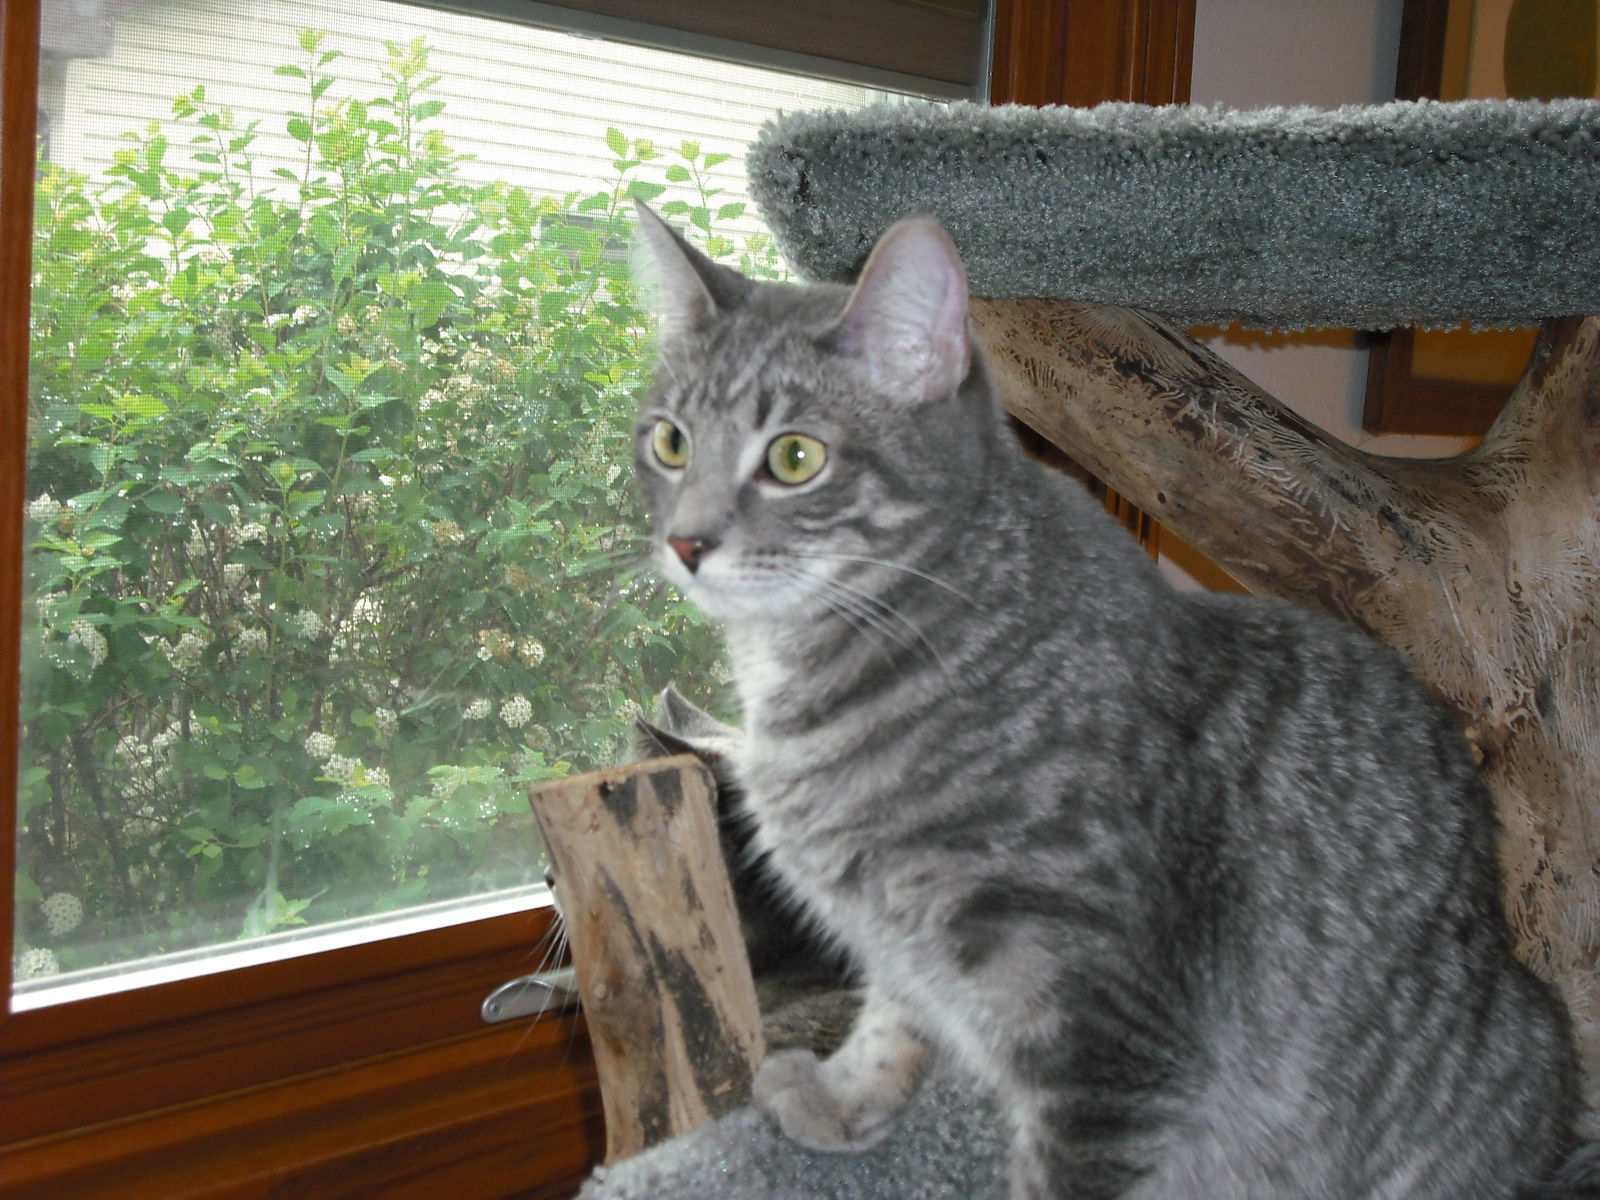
{"points": [[19, 77], [655, 936], [1483, 570], [319, 1068], [1087, 52], [505, 1111]]}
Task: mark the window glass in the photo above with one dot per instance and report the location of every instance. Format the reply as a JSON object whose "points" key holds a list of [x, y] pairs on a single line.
{"points": [[332, 547]]}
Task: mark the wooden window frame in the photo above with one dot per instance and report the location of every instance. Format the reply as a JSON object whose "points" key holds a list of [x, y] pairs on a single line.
{"points": [[365, 1070]]}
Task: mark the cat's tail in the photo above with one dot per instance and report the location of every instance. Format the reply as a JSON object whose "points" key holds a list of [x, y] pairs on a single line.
{"points": [[1578, 1178]]}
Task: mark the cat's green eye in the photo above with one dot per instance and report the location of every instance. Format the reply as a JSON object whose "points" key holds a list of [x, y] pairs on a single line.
{"points": [[670, 444], [795, 458]]}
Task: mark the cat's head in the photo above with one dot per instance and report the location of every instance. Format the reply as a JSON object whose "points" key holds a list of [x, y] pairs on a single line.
{"points": [[795, 432]]}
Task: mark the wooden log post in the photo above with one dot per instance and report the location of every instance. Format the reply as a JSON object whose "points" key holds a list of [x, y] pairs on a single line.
{"points": [[1483, 570], [656, 945]]}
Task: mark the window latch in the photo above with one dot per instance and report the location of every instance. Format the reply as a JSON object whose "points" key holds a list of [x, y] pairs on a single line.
{"points": [[531, 995]]}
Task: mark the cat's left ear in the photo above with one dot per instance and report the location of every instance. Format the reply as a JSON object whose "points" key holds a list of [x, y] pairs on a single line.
{"points": [[688, 288], [908, 317]]}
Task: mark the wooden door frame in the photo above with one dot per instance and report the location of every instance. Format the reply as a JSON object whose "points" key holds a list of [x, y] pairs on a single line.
{"points": [[1084, 52]]}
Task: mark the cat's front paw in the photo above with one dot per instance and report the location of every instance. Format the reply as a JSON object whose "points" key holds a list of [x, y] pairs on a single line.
{"points": [[817, 1110]]}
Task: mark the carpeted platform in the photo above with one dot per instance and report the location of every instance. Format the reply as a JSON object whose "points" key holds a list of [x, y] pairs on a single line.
{"points": [[1369, 216]]}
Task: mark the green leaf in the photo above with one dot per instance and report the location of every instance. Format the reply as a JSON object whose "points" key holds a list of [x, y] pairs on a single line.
{"points": [[616, 142], [678, 173], [646, 192], [165, 503], [25, 890], [428, 301], [141, 406]]}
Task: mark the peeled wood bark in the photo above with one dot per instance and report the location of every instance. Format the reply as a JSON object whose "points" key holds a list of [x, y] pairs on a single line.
{"points": [[656, 945], [1484, 570]]}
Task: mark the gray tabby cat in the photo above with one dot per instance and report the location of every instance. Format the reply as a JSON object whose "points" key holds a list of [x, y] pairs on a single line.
{"points": [[1205, 897]]}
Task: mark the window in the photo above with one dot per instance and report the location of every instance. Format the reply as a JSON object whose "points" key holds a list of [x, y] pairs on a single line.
{"points": [[330, 545]]}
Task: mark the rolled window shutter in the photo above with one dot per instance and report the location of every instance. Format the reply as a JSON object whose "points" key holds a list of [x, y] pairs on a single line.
{"points": [[932, 47]]}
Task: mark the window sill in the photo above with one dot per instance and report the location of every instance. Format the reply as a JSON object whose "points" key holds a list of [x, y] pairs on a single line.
{"points": [[357, 1071], [509, 1111]]}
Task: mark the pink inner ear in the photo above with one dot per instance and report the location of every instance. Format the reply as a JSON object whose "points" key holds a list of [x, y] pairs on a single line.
{"points": [[908, 316]]}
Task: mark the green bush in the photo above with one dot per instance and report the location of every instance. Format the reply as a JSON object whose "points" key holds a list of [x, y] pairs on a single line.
{"points": [[332, 535]]}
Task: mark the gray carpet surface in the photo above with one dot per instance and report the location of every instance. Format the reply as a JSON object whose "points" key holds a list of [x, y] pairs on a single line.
{"points": [[947, 1145], [1365, 216]]}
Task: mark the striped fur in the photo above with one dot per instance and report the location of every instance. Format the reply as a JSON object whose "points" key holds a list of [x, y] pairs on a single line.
{"points": [[1202, 887]]}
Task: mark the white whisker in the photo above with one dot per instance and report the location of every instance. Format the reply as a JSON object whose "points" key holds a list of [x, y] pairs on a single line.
{"points": [[867, 560], [842, 598]]}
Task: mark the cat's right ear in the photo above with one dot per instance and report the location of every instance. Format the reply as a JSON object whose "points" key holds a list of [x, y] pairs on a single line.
{"points": [[907, 318], [686, 287]]}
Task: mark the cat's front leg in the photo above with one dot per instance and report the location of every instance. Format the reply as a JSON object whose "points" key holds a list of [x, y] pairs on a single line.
{"points": [[849, 1101]]}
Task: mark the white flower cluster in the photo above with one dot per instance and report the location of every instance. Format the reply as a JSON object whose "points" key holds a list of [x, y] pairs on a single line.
{"points": [[386, 722], [37, 964], [477, 710], [319, 745], [308, 624], [362, 628], [234, 576], [303, 314], [448, 533], [91, 639], [147, 761], [351, 772], [531, 651], [186, 654], [63, 912], [165, 739], [252, 641], [343, 768], [45, 510], [494, 644], [516, 712]]}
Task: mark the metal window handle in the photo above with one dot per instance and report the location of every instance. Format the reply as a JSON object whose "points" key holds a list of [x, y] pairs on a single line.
{"points": [[531, 995]]}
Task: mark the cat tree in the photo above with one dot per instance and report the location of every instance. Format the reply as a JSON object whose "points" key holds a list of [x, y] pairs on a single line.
{"points": [[1079, 227]]}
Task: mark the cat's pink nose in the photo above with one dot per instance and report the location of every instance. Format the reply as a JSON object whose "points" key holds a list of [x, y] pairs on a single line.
{"points": [[690, 550]]}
